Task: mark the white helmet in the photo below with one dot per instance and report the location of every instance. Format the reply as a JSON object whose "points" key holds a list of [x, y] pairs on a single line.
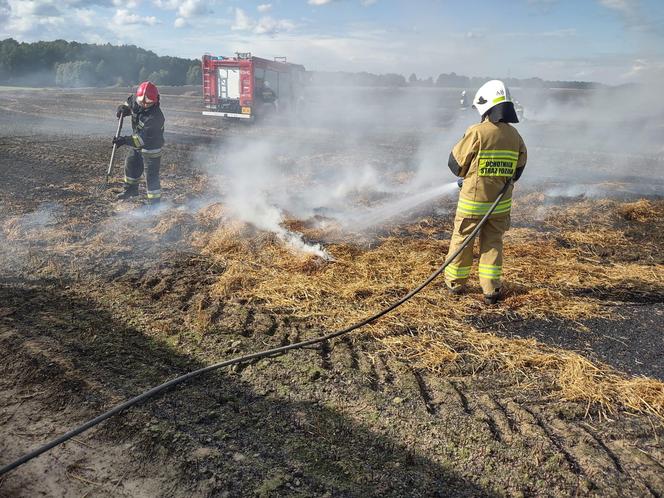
{"points": [[489, 95]]}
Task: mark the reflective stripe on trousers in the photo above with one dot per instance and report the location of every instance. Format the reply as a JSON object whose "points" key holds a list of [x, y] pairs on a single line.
{"points": [[455, 271], [490, 271], [138, 162], [151, 152], [491, 251], [132, 181]]}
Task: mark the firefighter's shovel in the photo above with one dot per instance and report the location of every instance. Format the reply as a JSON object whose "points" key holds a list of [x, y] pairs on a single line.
{"points": [[110, 163]]}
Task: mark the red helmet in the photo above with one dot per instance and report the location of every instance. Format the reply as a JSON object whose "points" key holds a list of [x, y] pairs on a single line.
{"points": [[147, 93]]}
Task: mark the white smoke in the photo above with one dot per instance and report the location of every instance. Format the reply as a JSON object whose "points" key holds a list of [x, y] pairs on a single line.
{"points": [[253, 181], [594, 136], [264, 181]]}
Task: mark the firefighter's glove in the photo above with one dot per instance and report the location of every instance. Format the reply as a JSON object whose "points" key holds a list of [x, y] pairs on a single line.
{"points": [[460, 182], [120, 141], [123, 110]]}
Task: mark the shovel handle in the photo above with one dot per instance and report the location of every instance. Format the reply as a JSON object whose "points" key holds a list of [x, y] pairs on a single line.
{"points": [[117, 134]]}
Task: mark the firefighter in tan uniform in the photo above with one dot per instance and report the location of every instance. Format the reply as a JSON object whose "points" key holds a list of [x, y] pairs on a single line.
{"points": [[490, 154]]}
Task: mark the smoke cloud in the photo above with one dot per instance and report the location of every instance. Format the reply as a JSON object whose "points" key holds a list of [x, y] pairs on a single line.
{"points": [[355, 159], [590, 137], [363, 156]]}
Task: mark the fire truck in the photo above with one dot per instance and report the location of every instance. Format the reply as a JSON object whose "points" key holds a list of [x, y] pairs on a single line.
{"points": [[247, 87]]}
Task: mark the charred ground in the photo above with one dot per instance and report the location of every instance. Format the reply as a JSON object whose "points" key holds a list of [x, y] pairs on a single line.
{"points": [[100, 302]]}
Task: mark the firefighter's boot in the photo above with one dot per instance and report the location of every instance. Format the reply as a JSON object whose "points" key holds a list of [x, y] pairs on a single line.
{"points": [[494, 297], [456, 290], [130, 190]]}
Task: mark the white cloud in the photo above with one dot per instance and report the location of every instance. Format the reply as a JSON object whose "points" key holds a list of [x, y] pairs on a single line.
{"points": [[29, 18], [85, 17], [31, 26], [242, 21], [185, 9], [33, 9], [264, 8], [327, 2], [265, 25], [128, 4], [475, 34], [43, 9], [645, 70], [191, 8], [164, 4], [624, 6], [559, 33], [633, 18], [124, 17]]}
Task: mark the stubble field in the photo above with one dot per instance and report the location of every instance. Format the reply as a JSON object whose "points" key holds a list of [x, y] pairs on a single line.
{"points": [[556, 391]]}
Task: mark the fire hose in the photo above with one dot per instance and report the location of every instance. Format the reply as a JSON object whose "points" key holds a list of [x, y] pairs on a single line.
{"points": [[254, 356]]}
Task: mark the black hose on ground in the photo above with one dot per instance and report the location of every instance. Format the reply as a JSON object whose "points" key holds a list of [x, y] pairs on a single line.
{"points": [[253, 356]]}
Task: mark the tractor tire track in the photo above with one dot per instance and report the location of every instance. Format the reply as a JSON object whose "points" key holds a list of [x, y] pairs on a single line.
{"points": [[538, 424], [639, 464], [425, 393], [499, 422], [368, 371]]}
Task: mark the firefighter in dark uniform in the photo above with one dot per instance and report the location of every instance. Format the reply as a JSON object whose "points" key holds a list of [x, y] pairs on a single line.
{"points": [[147, 139]]}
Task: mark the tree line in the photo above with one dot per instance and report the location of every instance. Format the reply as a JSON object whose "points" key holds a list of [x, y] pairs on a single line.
{"points": [[444, 80], [453, 80], [73, 64]]}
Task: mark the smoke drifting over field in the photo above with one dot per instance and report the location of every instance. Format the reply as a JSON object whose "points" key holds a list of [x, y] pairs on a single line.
{"points": [[361, 157], [369, 168], [386, 152], [594, 136]]}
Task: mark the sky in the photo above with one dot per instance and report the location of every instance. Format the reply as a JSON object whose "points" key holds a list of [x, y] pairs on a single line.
{"points": [[608, 41]]}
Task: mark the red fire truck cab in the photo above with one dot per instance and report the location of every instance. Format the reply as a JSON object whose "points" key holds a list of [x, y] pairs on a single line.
{"points": [[245, 87]]}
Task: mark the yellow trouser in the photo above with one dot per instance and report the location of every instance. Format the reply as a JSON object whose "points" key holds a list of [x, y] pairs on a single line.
{"points": [[491, 251]]}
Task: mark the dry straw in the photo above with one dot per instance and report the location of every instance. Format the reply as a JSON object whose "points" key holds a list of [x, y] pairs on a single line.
{"points": [[549, 274], [575, 260]]}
